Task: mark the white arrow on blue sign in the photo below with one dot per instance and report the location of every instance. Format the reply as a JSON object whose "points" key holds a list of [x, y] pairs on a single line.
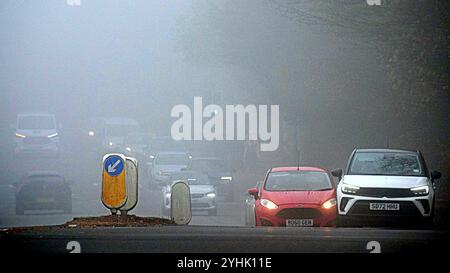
{"points": [[113, 165]]}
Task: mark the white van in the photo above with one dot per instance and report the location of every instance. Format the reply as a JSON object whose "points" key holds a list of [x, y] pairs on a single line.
{"points": [[36, 134]]}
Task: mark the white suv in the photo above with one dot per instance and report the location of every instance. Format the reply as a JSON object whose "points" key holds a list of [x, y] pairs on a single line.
{"points": [[36, 134], [386, 185]]}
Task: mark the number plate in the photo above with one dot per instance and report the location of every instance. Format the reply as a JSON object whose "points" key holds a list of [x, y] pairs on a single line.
{"points": [[384, 206], [299, 222]]}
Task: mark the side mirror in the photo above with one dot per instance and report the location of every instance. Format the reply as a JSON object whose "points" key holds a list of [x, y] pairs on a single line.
{"points": [[337, 173], [435, 175], [253, 192]]}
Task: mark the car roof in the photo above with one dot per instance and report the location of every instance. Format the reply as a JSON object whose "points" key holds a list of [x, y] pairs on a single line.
{"points": [[301, 168], [385, 151]]}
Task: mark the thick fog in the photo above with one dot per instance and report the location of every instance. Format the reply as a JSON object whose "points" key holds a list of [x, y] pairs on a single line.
{"points": [[340, 84]]}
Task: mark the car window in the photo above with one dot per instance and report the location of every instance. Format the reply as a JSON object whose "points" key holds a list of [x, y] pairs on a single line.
{"points": [[298, 181], [401, 164], [36, 122]]}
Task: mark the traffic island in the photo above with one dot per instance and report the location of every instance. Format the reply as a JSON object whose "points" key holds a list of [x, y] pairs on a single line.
{"points": [[108, 221], [117, 221]]}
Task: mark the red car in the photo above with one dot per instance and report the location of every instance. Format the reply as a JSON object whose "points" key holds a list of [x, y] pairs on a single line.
{"points": [[296, 197]]}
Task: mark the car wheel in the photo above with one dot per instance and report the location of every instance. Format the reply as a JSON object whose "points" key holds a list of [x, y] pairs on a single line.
{"points": [[212, 212]]}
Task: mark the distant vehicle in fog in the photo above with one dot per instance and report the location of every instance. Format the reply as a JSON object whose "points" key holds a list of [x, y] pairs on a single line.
{"points": [[250, 203], [218, 172], [36, 134], [295, 197], [165, 144], [167, 163], [203, 192], [137, 145], [108, 134], [386, 185], [43, 191]]}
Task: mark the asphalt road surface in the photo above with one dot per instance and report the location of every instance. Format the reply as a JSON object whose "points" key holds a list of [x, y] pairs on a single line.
{"points": [[200, 239], [86, 202]]}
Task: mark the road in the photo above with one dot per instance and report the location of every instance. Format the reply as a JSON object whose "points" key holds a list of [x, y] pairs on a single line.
{"points": [[200, 239], [221, 233], [86, 202]]}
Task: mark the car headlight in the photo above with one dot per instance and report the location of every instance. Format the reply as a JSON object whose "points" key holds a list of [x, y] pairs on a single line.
{"points": [[110, 143], [53, 135], [349, 189], [229, 178], [91, 133], [329, 204], [20, 135], [211, 195], [268, 204], [422, 190]]}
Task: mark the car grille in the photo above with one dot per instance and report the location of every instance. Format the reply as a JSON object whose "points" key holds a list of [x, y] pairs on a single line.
{"points": [[299, 213], [197, 195], [362, 208], [37, 140], [385, 192]]}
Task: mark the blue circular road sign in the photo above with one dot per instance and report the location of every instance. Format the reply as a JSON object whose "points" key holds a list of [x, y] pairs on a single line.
{"points": [[113, 165]]}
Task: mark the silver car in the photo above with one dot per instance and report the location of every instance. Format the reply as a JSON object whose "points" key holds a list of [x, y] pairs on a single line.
{"points": [[203, 193], [167, 163], [250, 207]]}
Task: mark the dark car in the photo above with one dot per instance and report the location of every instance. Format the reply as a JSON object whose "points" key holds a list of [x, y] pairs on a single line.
{"points": [[43, 191], [218, 173]]}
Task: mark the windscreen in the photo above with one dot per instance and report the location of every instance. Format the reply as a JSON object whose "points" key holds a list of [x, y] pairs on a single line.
{"points": [[36, 123], [298, 181], [400, 164]]}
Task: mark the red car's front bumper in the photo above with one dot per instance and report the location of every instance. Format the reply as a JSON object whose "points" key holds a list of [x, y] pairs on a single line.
{"points": [[277, 217]]}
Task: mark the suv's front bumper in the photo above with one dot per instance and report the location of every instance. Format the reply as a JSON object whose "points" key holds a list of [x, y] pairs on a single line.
{"points": [[354, 205]]}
